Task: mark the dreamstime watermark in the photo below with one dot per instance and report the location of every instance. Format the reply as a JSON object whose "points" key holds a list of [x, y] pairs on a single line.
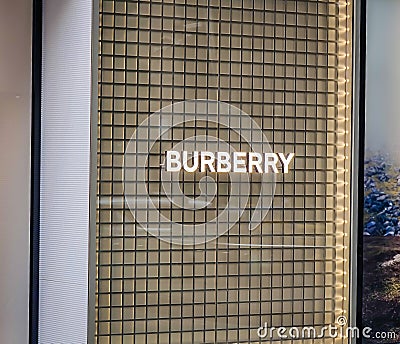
{"points": [[338, 330], [154, 193]]}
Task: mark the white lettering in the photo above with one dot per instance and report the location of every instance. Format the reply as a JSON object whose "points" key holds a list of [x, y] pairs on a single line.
{"points": [[173, 158], [271, 163], [366, 332], [223, 159], [239, 165], [255, 160], [185, 159], [281, 332], [224, 162], [286, 161], [207, 159]]}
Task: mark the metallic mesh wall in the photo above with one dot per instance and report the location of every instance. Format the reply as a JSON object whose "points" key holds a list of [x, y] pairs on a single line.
{"points": [[288, 65]]}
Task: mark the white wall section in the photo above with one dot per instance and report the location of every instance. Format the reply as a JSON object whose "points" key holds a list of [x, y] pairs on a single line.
{"points": [[65, 171]]}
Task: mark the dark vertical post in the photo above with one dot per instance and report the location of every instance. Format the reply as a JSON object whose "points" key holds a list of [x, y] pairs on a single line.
{"points": [[361, 32], [35, 171]]}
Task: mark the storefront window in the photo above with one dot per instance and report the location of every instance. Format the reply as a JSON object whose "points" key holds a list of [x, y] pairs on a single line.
{"points": [[228, 76]]}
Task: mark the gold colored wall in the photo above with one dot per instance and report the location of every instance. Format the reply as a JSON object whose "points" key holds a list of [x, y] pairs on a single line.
{"points": [[288, 65]]}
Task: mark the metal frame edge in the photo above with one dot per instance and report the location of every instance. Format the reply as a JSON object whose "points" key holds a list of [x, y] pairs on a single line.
{"points": [[357, 166], [36, 96], [93, 177]]}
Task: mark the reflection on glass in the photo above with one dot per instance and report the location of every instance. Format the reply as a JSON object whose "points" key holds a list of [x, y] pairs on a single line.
{"points": [[284, 64]]}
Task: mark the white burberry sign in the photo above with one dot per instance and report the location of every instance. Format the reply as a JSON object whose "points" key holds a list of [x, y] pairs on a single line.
{"points": [[242, 162]]}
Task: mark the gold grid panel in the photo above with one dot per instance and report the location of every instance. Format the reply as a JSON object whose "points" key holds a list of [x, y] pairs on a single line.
{"points": [[287, 65]]}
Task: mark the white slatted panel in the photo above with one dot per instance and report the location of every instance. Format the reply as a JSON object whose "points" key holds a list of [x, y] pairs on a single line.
{"points": [[65, 169]]}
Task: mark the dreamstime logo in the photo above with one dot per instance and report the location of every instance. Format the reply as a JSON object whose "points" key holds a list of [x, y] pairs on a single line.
{"points": [[338, 330], [158, 134]]}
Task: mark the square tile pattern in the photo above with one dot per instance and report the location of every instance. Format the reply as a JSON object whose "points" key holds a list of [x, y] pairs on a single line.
{"points": [[288, 65]]}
